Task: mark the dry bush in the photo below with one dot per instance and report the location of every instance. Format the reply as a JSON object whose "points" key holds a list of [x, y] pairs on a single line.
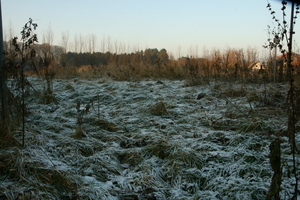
{"points": [[84, 72], [233, 92], [255, 125], [32, 179], [83, 68], [131, 156], [78, 133], [189, 82], [109, 126], [128, 72], [253, 96], [146, 72], [66, 72], [297, 81], [8, 141], [159, 109]]}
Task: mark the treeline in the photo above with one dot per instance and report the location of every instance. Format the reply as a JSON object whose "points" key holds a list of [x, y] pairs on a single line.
{"points": [[231, 64], [148, 57]]}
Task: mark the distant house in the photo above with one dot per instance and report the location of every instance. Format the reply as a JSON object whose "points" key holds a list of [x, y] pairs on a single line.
{"points": [[256, 66]]}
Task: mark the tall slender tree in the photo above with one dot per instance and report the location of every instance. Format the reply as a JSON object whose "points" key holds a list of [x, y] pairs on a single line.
{"points": [[4, 105]]}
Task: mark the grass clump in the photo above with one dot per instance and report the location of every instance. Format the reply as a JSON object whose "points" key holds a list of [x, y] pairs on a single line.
{"points": [[232, 92], [253, 97], [159, 109], [69, 87], [48, 97], [78, 133], [131, 157], [254, 125], [106, 125]]}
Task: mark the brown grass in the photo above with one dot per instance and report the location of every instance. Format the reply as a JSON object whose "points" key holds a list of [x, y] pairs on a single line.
{"points": [[109, 126], [159, 109]]}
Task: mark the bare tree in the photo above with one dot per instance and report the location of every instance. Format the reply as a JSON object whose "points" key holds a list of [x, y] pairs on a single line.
{"points": [[179, 51], [109, 45], [81, 44], [46, 63], [91, 50], [48, 35], [65, 41], [76, 44], [242, 65], [226, 60], [76, 49], [102, 46], [92, 42], [65, 45], [8, 36], [216, 63], [116, 46]]}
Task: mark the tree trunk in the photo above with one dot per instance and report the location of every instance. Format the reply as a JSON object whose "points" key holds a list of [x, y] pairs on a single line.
{"points": [[3, 90]]}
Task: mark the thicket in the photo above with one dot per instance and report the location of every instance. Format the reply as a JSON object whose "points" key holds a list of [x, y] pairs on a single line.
{"points": [[151, 63], [228, 65]]}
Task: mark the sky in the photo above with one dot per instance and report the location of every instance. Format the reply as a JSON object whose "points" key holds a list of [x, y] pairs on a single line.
{"points": [[181, 27]]}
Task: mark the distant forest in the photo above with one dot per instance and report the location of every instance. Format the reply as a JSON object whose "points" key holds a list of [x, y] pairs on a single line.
{"points": [[232, 63]]}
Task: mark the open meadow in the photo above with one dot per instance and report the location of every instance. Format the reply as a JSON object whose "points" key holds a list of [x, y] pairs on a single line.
{"points": [[151, 139]]}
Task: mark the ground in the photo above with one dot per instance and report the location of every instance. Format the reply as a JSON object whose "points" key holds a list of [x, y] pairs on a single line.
{"points": [[103, 139]]}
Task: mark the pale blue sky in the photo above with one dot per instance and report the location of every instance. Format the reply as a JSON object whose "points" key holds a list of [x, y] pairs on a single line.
{"points": [[173, 25]]}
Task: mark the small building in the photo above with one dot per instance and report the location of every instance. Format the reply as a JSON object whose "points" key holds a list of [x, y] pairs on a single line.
{"points": [[256, 66]]}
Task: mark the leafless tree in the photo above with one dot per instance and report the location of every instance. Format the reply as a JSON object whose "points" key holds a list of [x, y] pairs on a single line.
{"points": [[102, 45], [116, 46], [76, 49], [92, 42], [109, 45], [76, 44], [81, 44], [48, 35], [65, 46], [65, 41], [91, 49]]}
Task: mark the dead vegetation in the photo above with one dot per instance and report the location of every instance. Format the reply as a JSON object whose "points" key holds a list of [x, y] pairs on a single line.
{"points": [[158, 109], [136, 144]]}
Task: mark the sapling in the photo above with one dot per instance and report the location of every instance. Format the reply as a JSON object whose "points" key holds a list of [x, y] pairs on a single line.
{"points": [[15, 64], [284, 33]]}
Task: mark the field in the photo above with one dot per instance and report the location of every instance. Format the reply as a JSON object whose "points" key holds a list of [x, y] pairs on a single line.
{"points": [[155, 139]]}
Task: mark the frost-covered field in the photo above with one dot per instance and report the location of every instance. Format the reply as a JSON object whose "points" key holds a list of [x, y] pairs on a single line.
{"points": [[149, 140]]}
